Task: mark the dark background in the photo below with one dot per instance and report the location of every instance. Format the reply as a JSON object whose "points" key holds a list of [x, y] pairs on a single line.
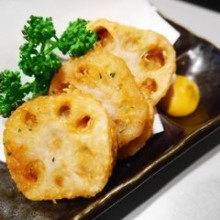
{"points": [[210, 4]]}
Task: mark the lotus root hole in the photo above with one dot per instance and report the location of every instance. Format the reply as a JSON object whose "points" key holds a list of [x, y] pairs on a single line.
{"points": [[154, 59], [64, 110], [104, 36], [32, 171], [150, 85], [83, 122], [30, 119], [83, 70]]}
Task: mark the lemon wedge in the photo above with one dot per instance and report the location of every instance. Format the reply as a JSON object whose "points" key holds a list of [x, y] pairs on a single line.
{"points": [[182, 98]]}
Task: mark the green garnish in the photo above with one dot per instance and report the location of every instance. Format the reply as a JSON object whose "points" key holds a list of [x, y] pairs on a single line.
{"points": [[39, 61], [76, 40], [112, 74]]}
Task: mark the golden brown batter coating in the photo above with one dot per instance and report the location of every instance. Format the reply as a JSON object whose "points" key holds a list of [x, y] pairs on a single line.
{"points": [[149, 55], [60, 146], [109, 80]]}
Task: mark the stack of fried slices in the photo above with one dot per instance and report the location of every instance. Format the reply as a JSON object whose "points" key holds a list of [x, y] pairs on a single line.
{"points": [[100, 108]]}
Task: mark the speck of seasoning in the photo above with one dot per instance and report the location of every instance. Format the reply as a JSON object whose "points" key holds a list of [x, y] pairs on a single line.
{"points": [[121, 131], [30, 129], [100, 76], [53, 159], [19, 130], [112, 74], [9, 154]]}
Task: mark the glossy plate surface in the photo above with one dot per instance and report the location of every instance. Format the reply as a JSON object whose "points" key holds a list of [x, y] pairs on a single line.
{"points": [[197, 59]]}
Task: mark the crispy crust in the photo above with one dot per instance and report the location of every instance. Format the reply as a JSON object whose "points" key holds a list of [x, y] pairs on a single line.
{"points": [[109, 80], [135, 145], [60, 146], [149, 55]]}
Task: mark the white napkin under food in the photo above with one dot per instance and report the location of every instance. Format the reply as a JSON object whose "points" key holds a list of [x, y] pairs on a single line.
{"points": [[137, 13]]}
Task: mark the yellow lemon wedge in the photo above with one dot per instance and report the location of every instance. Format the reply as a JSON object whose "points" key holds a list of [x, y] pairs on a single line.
{"points": [[182, 97]]}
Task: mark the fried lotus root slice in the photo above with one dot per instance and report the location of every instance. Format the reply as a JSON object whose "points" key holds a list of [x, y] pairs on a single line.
{"points": [[109, 80], [60, 146], [149, 55], [137, 144]]}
